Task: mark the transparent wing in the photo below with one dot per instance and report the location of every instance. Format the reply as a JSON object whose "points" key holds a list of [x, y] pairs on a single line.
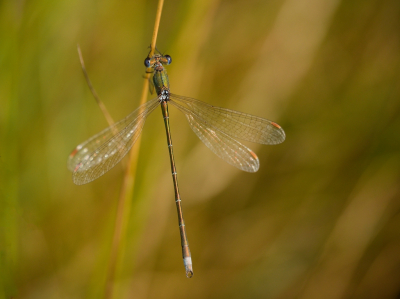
{"points": [[220, 143], [103, 151], [233, 123]]}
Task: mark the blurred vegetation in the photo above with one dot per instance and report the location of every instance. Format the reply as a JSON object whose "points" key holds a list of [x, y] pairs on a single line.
{"points": [[319, 220]]}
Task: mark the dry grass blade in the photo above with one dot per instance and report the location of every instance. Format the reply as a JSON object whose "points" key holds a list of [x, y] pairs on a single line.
{"points": [[124, 202], [94, 93]]}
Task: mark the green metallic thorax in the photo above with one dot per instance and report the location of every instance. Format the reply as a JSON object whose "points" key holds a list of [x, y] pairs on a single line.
{"points": [[160, 79]]}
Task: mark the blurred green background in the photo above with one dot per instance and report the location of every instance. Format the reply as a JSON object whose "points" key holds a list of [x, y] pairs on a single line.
{"points": [[320, 219]]}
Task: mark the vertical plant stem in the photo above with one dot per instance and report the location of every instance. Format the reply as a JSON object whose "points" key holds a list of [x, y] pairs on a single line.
{"points": [[124, 201]]}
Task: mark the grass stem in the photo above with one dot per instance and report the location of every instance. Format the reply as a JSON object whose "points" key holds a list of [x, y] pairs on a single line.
{"points": [[124, 201]]}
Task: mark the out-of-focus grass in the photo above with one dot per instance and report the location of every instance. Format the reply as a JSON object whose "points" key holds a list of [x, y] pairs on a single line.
{"points": [[320, 218]]}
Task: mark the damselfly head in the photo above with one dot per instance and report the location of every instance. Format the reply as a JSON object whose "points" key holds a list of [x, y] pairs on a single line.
{"points": [[164, 59], [157, 59]]}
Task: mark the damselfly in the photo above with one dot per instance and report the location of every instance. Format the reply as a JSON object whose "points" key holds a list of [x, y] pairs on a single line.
{"points": [[217, 127]]}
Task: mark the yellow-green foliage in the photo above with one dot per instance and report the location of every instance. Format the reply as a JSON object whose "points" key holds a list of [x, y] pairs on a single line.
{"points": [[319, 220]]}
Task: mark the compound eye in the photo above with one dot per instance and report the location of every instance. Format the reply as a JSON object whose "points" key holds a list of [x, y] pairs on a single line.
{"points": [[169, 59], [147, 62]]}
